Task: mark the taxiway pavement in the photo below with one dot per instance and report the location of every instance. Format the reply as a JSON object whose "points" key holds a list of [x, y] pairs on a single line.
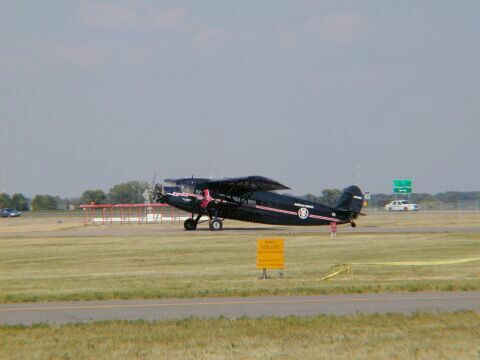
{"points": [[234, 307]]}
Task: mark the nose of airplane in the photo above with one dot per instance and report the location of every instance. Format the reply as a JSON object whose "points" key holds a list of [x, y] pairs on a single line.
{"points": [[158, 193]]}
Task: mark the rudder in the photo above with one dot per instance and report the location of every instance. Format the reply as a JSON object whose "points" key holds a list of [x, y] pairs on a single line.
{"points": [[351, 200]]}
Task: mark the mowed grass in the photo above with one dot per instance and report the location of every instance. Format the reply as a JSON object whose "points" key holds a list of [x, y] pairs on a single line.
{"points": [[375, 336], [418, 220], [104, 262]]}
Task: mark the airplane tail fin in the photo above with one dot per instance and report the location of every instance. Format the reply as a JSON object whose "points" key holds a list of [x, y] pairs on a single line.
{"points": [[351, 200]]}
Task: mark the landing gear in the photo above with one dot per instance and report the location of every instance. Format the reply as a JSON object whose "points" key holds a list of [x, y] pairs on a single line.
{"points": [[215, 224], [353, 224], [190, 224]]}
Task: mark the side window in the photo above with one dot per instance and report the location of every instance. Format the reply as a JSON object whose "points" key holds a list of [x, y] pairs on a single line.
{"points": [[187, 188], [251, 202]]}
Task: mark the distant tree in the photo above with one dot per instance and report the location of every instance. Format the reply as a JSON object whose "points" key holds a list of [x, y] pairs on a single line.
{"points": [[311, 197], [65, 203], [59, 204], [19, 202], [448, 197], [75, 202], [428, 204], [44, 202], [421, 197], [5, 201], [128, 193], [330, 196], [379, 200], [94, 196]]}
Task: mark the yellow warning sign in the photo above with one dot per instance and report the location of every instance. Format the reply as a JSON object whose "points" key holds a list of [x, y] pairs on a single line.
{"points": [[270, 254]]}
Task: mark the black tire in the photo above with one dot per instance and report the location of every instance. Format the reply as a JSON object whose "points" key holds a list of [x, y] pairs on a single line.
{"points": [[190, 224], [215, 224]]}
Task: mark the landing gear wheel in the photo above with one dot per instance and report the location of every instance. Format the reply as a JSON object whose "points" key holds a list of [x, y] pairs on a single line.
{"points": [[190, 224], [215, 224], [353, 224]]}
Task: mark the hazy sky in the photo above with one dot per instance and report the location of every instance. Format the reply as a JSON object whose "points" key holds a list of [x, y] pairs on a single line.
{"points": [[94, 93]]}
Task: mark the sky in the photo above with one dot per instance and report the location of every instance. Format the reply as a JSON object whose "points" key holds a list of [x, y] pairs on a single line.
{"points": [[315, 94]]}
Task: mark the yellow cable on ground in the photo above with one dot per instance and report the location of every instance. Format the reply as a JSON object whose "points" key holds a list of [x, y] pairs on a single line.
{"points": [[420, 263], [404, 263], [348, 268]]}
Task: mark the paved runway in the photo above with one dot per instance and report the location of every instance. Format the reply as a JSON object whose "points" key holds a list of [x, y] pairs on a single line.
{"points": [[68, 312], [156, 230]]}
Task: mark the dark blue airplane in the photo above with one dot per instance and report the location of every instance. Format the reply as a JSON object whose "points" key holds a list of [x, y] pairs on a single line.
{"points": [[253, 199]]}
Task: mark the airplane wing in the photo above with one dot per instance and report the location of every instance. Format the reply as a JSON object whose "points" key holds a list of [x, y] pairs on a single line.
{"points": [[242, 185], [186, 181]]}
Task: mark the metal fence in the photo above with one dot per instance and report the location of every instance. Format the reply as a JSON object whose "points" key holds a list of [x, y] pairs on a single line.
{"points": [[111, 214], [131, 214]]}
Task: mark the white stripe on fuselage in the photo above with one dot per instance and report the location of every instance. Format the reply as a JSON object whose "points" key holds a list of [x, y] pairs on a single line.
{"points": [[294, 213], [275, 209], [184, 194]]}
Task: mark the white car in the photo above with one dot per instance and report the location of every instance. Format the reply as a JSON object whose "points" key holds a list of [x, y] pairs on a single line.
{"points": [[401, 205]]}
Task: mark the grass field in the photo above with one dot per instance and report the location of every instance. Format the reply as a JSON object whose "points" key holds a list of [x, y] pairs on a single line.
{"points": [[392, 336], [55, 258]]}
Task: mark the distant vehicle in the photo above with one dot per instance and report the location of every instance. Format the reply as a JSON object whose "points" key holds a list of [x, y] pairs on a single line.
{"points": [[10, 213], [401, 205]]}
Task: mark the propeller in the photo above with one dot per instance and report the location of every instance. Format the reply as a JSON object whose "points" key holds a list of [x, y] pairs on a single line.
{"points": [[149, 193]]}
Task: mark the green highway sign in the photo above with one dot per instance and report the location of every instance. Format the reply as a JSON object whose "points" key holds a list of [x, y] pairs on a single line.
{"points": [[402, 186]]}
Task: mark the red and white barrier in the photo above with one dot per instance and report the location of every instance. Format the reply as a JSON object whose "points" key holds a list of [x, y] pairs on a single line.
{"points": [[131, 214]]}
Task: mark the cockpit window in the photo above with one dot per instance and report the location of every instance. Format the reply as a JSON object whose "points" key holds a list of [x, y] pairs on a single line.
{"points": [[187, 189]]}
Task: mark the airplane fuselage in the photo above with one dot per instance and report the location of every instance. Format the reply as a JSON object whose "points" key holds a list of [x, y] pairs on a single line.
{"points": [[260, 207]]}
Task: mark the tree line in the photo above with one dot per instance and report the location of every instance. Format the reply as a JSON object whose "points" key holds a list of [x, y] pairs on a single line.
{"points": [[131, 192]]}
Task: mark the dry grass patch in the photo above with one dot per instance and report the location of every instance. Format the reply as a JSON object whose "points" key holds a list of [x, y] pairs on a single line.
{"points": [[420, 219], [421, 335]]}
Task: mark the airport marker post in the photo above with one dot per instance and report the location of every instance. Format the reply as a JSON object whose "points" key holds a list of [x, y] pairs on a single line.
{"points": [[270, 255], [333, 229]]}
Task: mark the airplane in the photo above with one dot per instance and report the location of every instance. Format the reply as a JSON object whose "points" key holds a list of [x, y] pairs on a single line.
{"points": [[252, 198]]}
